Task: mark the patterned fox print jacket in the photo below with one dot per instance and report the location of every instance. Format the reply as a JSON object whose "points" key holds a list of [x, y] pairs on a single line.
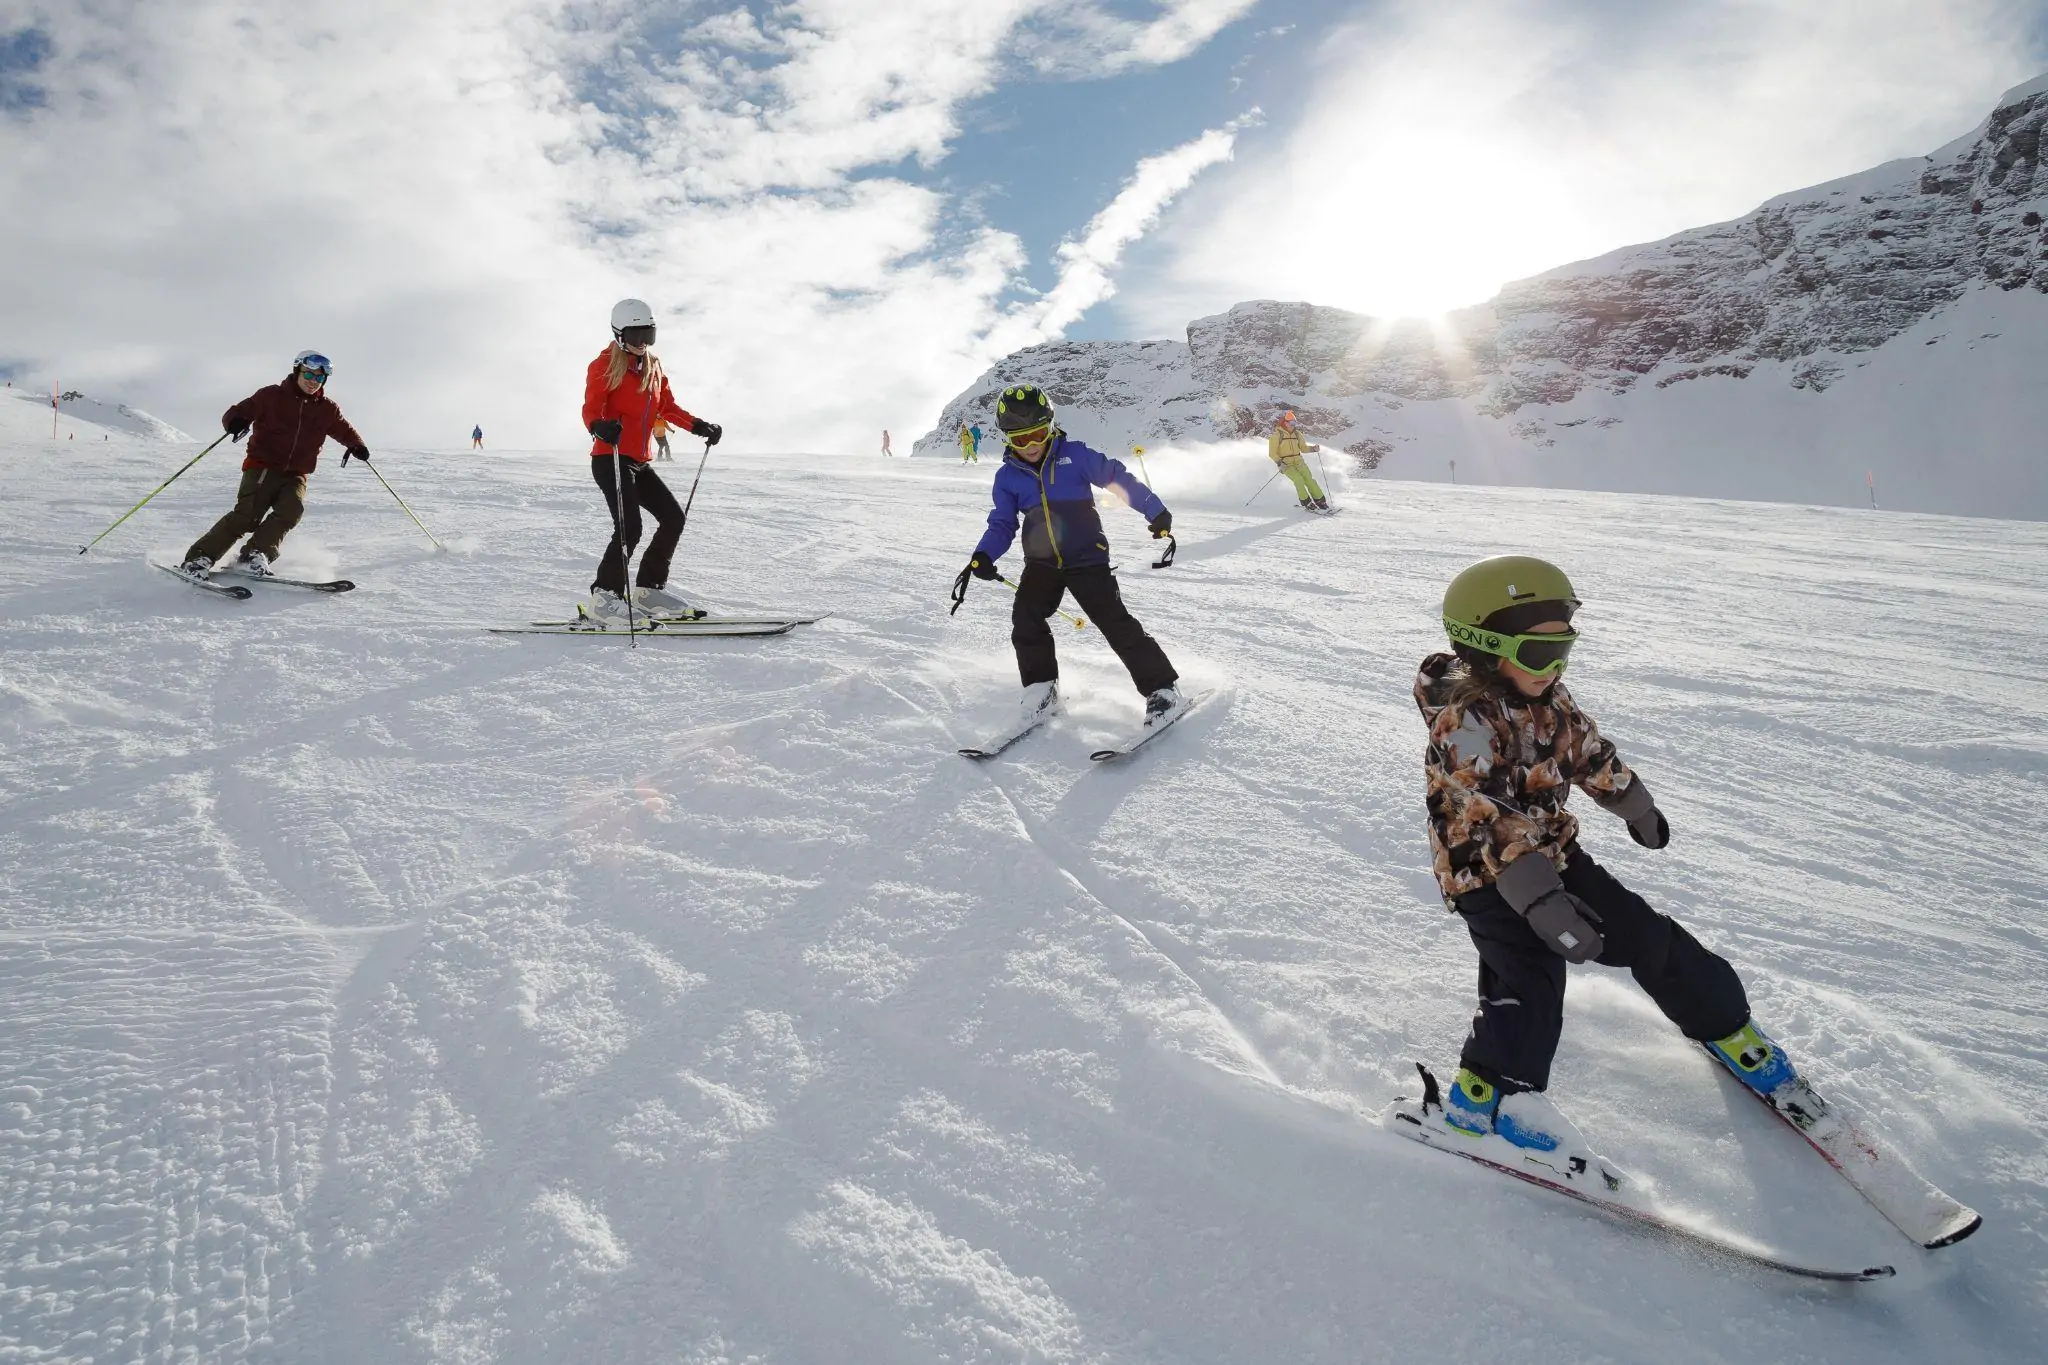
{"points": [[1499, 768]]}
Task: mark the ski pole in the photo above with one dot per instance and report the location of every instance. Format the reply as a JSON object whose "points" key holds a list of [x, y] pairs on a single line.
{"points": [[625, 552], [1080, 623], [401, 502], [1264, 486], [153, 492], [693, 491], [1139, 451]]}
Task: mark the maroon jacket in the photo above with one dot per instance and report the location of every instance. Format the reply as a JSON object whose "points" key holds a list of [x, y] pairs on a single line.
{"points": [[290, 427]]}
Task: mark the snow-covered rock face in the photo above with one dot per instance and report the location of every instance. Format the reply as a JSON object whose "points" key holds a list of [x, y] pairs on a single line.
{"points": [[75, 408], [1795, 298]]}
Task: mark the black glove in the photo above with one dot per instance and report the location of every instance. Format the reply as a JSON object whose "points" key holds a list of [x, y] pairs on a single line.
{"points": [[235, 430], [982, 567], [1161, 524], [1646, 824], [360, 452], [710, 431], [608, 430], [1566, 924]]}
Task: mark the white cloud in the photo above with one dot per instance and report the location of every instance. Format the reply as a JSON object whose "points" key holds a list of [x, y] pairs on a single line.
{"points": [[448, 197], [1453, 145]]}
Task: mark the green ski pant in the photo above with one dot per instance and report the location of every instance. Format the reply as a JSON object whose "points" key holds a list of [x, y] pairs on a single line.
{"points": [[269, 503], [1297, 472]]}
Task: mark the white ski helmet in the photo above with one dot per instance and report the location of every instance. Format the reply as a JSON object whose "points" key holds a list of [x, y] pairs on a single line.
{"points": [[312, 362], [630, 313]]}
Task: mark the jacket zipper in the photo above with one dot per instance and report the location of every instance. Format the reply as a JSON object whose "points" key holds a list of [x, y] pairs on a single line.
{"points": [[1046, 504], [291, 451]]}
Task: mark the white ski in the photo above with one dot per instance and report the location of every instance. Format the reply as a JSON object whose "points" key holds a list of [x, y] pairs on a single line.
{"points": [[1152, 731], [1001, 742], [1908, 1202], [681, 630], [1589, 1179]]}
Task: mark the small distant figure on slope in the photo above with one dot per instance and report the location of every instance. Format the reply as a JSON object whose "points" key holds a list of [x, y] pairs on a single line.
{"points": [[1287, 448], [1049, 480], [885, 442], [970, 445], [624, 394], [661, 440], [1506, 745], [476, 438], [286, 424]]}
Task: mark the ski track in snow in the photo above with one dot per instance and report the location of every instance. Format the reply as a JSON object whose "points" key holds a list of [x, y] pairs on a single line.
{"points": [[383, 990]]}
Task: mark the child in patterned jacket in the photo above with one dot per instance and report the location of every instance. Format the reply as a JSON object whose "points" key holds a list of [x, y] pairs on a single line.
{"points": [[1506, 745]]}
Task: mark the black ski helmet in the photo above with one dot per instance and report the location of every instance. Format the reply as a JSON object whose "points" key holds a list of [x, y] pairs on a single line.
{"points": [[1022, 407]]}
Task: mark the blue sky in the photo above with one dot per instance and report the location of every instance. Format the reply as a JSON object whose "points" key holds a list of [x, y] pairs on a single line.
{"points": [[825, 198]]}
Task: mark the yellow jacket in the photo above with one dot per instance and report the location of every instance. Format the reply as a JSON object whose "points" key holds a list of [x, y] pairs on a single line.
{"points": [[1287, 443]]}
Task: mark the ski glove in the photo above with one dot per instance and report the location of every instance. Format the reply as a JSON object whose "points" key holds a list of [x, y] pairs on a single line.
{"points": [[608, 430], [982, 567], [360, 452], [1565, 923], [1646, 824], [234, 432], [1161, 524], [710, 431]]}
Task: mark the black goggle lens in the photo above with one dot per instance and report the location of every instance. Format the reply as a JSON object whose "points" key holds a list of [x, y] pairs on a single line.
{"points": [[637, 336]]}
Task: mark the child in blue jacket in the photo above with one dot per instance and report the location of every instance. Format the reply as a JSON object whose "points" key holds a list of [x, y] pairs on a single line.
{"points": [[1049, 480]]}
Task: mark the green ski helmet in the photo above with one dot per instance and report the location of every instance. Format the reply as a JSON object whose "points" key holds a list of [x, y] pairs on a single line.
{"points": [[1489, 608], [1022, 407]]}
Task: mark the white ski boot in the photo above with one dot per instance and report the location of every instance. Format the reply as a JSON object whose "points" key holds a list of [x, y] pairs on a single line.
{"points": [[256, 565], [198, 566], [662, 602], [604, 610], [1041, 701], [1165, 705]]}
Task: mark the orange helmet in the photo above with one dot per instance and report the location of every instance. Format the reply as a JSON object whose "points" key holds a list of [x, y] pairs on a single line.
{"points": [[1287, 418]]}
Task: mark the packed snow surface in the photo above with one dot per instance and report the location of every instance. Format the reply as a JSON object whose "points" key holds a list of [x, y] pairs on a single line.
{"points": [[382, 990]]}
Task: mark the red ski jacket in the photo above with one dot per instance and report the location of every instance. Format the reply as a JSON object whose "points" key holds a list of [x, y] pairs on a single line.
{"points": [[629, 404], [290, 427]]}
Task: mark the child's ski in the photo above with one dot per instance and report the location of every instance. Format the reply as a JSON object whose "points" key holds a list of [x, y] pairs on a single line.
{"points": [[1151, 732], [682, 630], [234, 590], [1908, 1202], [1588, 1180], [1001, 742], [647, 620]]}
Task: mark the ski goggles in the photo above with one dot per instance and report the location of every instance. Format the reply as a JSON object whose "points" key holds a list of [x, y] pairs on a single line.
{"points": [[1538, 655], [637, 336], [1028, 436], [316, 367]]}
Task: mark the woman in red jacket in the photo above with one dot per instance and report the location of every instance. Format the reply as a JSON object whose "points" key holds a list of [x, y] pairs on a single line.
{"points": [[623, 394]]}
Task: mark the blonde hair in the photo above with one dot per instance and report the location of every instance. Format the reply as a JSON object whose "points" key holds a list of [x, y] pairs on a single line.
{"points": [[1468, 684], [621, 359]]}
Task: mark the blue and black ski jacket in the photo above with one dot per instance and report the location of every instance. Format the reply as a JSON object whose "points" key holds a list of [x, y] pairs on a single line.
{"points": [[1056, 498]]}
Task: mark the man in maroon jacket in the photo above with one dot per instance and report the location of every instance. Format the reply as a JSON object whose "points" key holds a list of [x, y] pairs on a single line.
{"points": [[290, 421]]}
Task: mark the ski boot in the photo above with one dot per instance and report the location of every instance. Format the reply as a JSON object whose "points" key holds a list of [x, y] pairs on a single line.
{"points": [[1320, 504], [198, 566], [255, 564], [1041, 700], [1754, 1059], [1526, 1118], [662, 602], [603, 610], [1163, 705]]}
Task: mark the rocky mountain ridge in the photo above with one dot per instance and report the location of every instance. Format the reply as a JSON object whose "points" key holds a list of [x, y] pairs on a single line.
{"points": [[1792, 295]]}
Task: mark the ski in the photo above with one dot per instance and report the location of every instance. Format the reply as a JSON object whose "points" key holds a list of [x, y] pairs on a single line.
{"points": [[1004, 741], [1157, 729], [1908, 1202], [681, 630], [234, 590], [1590, 1181], [310, 584], [708, 620]]}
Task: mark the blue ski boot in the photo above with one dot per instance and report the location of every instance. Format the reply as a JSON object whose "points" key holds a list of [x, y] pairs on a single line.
{"points": [[1756, 1061], [1528, 1120]]}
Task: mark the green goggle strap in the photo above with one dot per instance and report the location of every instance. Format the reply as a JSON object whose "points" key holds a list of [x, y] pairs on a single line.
{"points": [[1509, 647]]}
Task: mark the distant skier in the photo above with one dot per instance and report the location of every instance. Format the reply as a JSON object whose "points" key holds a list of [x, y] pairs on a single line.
{"points": [[1049, 480], [661, 440], [885, 442], [975, 432], [1286, 448], [476, 438], [624, 394], [1506, 745], [286, 424], [969, 442]]}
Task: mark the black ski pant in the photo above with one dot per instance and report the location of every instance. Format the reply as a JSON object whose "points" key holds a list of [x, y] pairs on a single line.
{"points": [[1521, 980], [1102, 602], [644, 488]]}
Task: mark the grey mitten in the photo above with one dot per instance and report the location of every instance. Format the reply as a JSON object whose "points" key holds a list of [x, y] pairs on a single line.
{"points": [[1646, 824], [1532, 887]]}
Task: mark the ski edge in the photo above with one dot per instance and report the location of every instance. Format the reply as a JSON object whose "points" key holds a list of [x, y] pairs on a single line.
{"points": [[1402, 1113]]}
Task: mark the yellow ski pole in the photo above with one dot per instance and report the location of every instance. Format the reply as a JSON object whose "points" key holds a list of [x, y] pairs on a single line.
{"points": [[1079, 622], [152, 493], [1139, 451], [401, 502]]}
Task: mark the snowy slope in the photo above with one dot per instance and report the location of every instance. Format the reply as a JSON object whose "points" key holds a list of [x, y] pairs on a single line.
{"points": [[79, 418], [1894, 322], [379, 990]]}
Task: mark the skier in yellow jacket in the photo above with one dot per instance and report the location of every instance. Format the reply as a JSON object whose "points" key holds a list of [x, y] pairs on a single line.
{"points": [[1286, 448]]}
